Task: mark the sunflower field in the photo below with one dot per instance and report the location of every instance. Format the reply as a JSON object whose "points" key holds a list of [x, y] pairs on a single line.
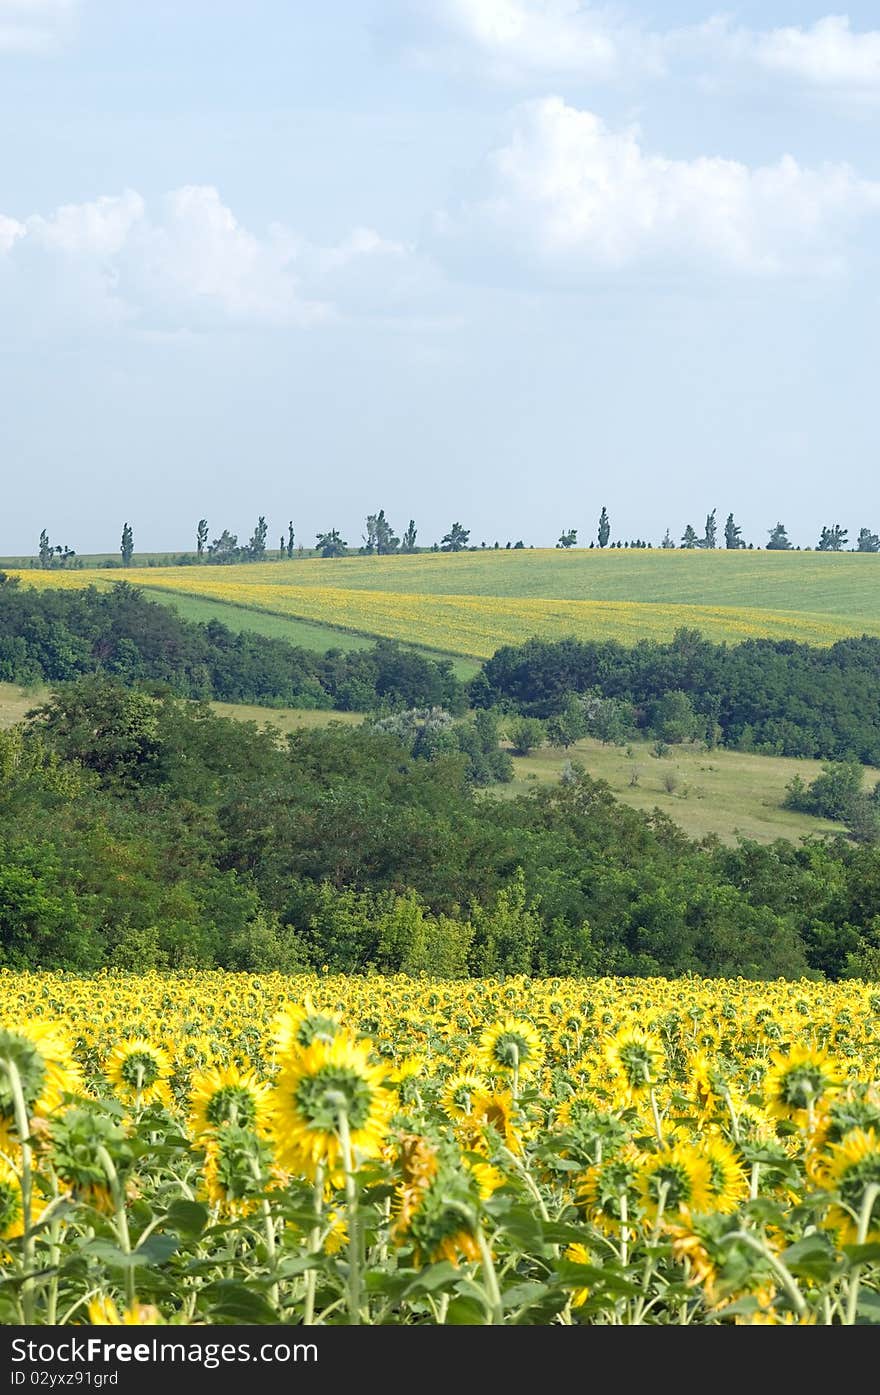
{"points": [[226, 1148]]}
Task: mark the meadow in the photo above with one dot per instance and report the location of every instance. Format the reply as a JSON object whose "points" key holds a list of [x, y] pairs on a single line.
{"points": [[221, 1148], [471, 603], [727, 793]]}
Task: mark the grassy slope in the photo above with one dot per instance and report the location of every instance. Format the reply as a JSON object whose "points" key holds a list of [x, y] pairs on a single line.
{"points": [[16, 702], [284, 719], [302, 633], [471, 603], [307, 634], [844, 584], [723, 792]]}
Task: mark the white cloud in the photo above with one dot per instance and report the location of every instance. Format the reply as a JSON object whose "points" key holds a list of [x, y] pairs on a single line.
{"points": [[513, 40], [199, 255], [187, 263], [100, 228], [569, 195], [361, 242], [32, 25], [10, 232], [829, 54], [530, 41]]}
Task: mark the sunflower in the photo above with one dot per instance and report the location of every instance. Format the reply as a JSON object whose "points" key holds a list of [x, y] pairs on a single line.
{"points": [[238, 1169], [636, 1056], [604, 1189], [299, 1024], [314, 1089], [727, 1181], [226, 1095], [853, 1168], [80, 1139], [691, 1246], [495, 1111], [459, 1093], [409, 1068], [418, 1164], [799, 1081], [672, 1179], [41, 1055], [859, 1108], [511, 1046], [437, 1203], [103, 1312], [706, 1085], [140, 1070], [579, 1254]]}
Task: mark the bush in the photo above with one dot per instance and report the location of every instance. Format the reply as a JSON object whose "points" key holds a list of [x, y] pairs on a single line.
{"points": [[525, 734]]}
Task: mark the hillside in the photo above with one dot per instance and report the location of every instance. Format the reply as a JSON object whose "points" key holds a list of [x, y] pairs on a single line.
{"points": [[470, 603], [723, 792]]}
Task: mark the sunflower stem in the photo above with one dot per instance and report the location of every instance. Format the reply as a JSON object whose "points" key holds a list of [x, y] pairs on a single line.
{"points": [[783, 1274], [624, 1229], [354, 1263], [22, 1124], [121, 1218], [490, 1279], [641, 1305], [54, 1259], [271, 1249], [314, 1246], [656, 1113], [872, 1191]]}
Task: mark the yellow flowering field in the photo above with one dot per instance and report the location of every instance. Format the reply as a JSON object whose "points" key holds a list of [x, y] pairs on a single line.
{"points": [[219, 1148], [467, 625]]}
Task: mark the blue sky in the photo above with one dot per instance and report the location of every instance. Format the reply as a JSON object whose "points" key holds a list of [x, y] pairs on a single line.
{"points": [[502, 261]]}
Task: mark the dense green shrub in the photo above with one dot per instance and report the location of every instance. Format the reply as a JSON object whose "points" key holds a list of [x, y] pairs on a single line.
{"points": [[773, 696]]}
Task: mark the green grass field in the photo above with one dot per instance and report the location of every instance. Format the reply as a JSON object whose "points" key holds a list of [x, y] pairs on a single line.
{"points": [[722, 792], [16, 702], [285, 719], [470, 603], [305, 634]]}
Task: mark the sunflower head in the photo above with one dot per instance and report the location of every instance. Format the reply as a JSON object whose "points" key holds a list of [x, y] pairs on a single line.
{"points": [[672, 1179], [605, 1193], [438, 1203], [315, 1088], [226, 1095], [79, 1139], [103, 1312], [853, 1173], [300, 1024], [727, 1185], [494, 1119], [41, 1055], [139, 1071], [459, 1093], [798, 1081], [579, 1254], [511, 1047], [637, 1057], [238, 1169]]}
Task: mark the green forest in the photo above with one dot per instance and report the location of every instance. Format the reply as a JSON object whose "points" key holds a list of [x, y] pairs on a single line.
{"points": [[140, 829]]}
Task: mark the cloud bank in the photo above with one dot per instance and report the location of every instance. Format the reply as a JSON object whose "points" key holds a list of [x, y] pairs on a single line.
{"points": [[530, 41], [567, 194], [187, 262]]}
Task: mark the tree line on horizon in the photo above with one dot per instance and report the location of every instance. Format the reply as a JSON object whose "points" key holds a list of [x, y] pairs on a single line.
{"points": [[381, 540]]}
